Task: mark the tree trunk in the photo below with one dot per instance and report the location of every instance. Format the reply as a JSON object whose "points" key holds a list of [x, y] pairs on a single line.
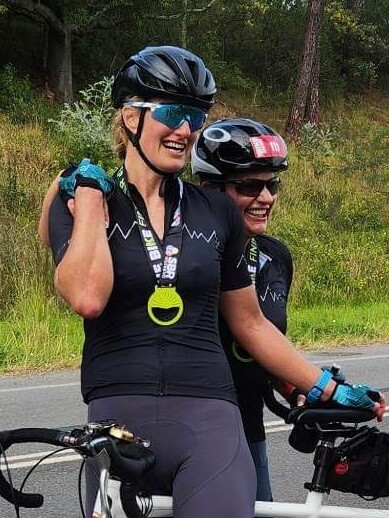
{"points": [[308, 73], [59, 52], [184, 25], [312, 106], [60, 65]]}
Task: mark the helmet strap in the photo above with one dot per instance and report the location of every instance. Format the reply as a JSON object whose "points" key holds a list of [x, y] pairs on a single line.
{"points": [[134, 138]]}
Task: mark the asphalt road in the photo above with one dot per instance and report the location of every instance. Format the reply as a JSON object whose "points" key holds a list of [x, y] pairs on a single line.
{"points": [[53, 399]]}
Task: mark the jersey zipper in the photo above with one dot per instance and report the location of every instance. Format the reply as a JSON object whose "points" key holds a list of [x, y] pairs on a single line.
{"points": [[161, 377]]}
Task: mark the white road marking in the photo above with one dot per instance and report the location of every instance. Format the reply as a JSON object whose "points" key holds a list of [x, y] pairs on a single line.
{"points": [[39, 387], [353, 358], [30, 459]]}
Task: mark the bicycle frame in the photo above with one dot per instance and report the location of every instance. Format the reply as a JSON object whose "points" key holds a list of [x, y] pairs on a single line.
{"points": [[312, 508], [126, 457]]}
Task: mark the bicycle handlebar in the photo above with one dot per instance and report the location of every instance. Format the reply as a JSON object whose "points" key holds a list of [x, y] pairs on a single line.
{"points": [[317, 414], [9, 437], [310, 424], [129, 457]]}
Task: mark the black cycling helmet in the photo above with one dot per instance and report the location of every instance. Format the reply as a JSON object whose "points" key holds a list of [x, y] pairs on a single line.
{"points": [[165, 72], [230, 146]]}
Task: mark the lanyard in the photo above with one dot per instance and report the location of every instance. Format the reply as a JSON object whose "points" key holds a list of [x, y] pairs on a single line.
{"points": [[163, 258], [255, 260]]}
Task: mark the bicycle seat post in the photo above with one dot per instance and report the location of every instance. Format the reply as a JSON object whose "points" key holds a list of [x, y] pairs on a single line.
{"points": [[323, 459]]}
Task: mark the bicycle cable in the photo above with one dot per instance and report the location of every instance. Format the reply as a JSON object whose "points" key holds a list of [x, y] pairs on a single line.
{"points": [[145, 503], [16, 505], [80, 472]]}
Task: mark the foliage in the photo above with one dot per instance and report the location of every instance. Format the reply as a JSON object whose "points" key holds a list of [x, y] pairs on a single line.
{"points": [[260, 40], [333, 211], [326, 325], [314, 140], [85, 125], [19, 99], [15, 91], [361, 39], [26, 168]]}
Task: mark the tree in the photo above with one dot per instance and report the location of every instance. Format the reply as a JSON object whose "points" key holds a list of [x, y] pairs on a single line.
{"points": [[186, 11], [360, 38], [305, 106], [50, 16], [60, 21]]}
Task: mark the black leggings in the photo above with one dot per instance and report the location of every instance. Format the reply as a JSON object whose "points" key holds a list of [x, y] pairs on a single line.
{"points": [[202, 455]]}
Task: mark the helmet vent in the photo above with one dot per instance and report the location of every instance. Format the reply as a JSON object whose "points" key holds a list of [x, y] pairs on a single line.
{"points": [[194, 70]]}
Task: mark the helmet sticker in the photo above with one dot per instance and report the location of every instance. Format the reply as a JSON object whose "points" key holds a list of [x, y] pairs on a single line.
{"points": [[267, 146]]}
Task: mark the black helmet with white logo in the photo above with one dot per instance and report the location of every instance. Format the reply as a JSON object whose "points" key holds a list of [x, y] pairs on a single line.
{"points": [[232, 146]]}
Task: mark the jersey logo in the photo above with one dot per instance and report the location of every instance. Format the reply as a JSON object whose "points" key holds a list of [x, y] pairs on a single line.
{"points": [[193, 234], [199, 235], [263, 259], [118, 228], [274, 295]]}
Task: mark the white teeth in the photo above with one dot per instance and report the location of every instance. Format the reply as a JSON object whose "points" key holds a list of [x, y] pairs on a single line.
{"points": [[258, 213], [174, 145]]}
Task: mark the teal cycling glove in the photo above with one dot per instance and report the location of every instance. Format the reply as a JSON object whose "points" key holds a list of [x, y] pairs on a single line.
{"points": [[356, 396], [85, 174]]}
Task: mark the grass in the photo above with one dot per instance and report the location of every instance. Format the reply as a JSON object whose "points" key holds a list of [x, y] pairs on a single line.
{"points": [[46, 340], [50, 344], [328, 326], [39, 333], [332, 212]]}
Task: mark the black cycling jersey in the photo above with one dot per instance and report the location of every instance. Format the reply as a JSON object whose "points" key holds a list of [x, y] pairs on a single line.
{"points": [[273, 280], [124, 351]]}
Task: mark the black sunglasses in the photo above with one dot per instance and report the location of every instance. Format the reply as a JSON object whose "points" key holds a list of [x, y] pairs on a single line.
{"points": [[253, 188]]}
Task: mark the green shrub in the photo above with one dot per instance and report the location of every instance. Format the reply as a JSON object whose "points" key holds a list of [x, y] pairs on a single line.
{"points": [[84, 127], [15, 91], [19, 100]]}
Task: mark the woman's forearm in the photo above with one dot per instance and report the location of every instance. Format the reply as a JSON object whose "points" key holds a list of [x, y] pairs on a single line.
{"points": [[43, 226], [265, 343], [84, 277]]}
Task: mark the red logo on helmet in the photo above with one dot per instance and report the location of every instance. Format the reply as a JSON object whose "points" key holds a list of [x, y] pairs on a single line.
{"points": [[268, 146]]}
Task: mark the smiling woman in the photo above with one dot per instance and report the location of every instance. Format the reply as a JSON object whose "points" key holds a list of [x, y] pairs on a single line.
{"points": [[243, 158], [145, 259]]}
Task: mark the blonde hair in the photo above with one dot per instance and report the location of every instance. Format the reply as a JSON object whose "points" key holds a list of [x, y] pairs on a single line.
{"points": [[120, 137]]}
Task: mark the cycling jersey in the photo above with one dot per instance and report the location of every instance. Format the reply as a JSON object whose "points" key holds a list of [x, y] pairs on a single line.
{"points": [[273, 279], [127, 353]]}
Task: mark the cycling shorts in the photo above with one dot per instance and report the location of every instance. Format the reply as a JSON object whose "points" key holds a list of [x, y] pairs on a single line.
{"points": [[203, 460]]}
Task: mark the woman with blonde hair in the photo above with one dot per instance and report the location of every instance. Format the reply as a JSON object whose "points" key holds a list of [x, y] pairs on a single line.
{"points": [[145, 259]]}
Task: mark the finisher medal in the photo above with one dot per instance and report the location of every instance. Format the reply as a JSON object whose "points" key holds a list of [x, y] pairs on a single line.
{"points": [[241, 354], [165, 298]]}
